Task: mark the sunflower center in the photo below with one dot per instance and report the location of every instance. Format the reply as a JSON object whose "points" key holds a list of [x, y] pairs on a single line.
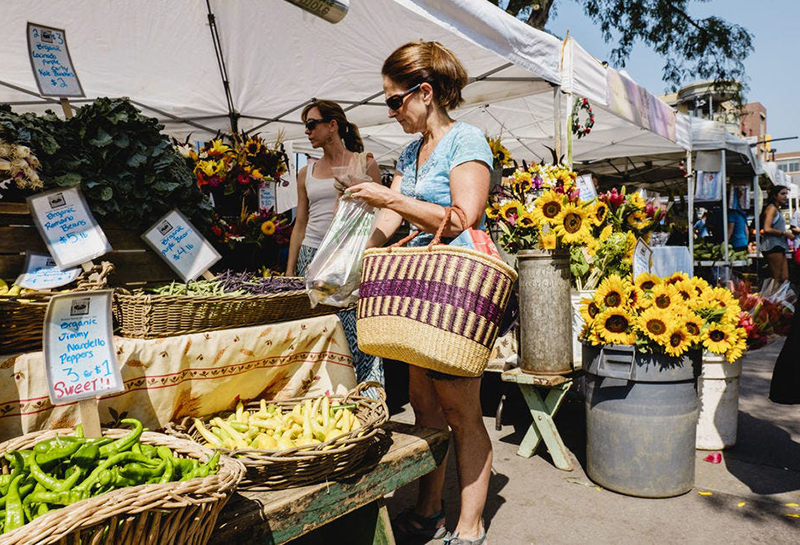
{"points": [[675, 340], [662, 301], [717, 335], [601, 213], [692, 328], [648, 285], [656, 326], [572, 223], [593, 310], [612, 299], [617, 324], [685, 295], [551, 210]]}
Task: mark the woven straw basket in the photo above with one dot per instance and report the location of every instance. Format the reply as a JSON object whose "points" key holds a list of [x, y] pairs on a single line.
{"points": [[171, 513], [299, 466], [436, 306]]}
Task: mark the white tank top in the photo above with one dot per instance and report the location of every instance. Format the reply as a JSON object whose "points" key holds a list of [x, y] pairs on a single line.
{"points": [[322, 197]]}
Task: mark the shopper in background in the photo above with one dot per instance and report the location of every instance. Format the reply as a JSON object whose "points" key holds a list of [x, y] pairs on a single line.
{"points": [[700, 228], [785, 385], [327, 128], [737, 222], [448, 166], [774, 234]]}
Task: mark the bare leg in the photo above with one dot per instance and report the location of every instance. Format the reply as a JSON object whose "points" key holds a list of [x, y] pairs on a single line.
{"points": [[777, 265], [460, 401]]}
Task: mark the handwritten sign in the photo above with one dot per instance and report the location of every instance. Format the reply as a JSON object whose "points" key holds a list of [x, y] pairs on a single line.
{"points": [[641, 258], [79, 353], [67, 226], [42, 273], [266, 197], [51, 62], [586, 187], [185, 250]]}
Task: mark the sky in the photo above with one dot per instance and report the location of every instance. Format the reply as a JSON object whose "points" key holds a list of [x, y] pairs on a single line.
{"points": [[773, 68]]}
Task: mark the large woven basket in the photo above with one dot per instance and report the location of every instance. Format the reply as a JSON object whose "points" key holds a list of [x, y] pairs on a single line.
{"points": [[299, 466], [439, 307], [22, 316], [170, 513], [146, 316]]}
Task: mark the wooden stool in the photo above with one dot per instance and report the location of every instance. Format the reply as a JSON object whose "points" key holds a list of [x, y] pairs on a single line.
{"points": [[542, 412]]}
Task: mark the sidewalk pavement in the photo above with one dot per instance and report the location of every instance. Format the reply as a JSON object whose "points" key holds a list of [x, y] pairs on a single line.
{"points": [[752, 496]]}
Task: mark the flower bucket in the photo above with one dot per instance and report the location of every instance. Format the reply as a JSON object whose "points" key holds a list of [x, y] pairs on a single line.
{"points": [[545, 311], [718, 394]]}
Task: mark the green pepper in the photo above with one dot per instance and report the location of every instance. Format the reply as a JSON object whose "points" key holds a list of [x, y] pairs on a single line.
{"points": [[141, 474], [18, 465], [42, 509], [123, 443], [166, 454], [79, 430], [203, 470], [86, 455], [56, 454], [149, 450], [120, 458], [15, 515], [65, 497], [185, 465], [50, 483]]}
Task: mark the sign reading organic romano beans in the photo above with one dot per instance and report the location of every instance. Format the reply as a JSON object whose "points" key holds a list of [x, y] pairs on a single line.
{"points": [[51, 62], [178, 243], [79, 353], [67, 226]]}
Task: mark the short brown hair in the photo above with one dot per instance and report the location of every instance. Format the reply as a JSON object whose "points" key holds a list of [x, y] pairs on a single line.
{"points": [[329, 110], [431, 62]]}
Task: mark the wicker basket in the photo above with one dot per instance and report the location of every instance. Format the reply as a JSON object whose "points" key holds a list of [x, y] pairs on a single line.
{"points": [[22, 316], [272, 470], [177, 512], [147, 316]]}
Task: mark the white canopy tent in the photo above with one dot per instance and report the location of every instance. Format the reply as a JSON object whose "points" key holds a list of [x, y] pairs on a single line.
{"points": [[162, 55]]}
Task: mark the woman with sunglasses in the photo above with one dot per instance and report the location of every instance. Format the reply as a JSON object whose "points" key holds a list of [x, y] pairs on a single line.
{"points": [[327, 128], [449, 166]]}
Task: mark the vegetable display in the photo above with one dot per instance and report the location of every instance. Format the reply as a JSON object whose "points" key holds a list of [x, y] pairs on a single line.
{"points": [[710, 251], [270, 428], [66, 469], [232, 283]]}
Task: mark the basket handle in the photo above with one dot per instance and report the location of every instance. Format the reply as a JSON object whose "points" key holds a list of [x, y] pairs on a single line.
{"points": [[96, 277], [437, 239], [358, 390]]}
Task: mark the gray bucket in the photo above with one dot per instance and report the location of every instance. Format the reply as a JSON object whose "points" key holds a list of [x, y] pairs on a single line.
{"points": [[641, 421]]}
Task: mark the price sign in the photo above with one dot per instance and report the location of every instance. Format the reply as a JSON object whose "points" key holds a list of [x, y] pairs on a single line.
{"points": [[79, 352], [68, 227], [266, 197], [185, 250], [586, 187], [641, 258], [42, 273], [51, 62]]}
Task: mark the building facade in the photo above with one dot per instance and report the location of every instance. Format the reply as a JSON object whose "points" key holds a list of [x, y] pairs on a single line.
{"points": [[789, 162]]}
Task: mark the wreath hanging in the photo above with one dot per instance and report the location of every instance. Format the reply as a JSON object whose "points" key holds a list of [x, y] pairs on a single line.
{"points": [[577, 129]]}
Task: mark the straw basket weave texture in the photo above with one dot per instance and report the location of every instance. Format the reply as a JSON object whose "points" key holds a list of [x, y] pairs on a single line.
{"points": [[146, 316], [299, 466], [437, 307], [171, 513], [22, 317]]}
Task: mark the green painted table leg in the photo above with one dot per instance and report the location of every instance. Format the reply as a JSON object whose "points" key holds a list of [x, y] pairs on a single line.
{"points": [[543, 427]]}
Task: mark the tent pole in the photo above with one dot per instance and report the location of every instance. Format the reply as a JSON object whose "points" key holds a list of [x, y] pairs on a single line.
{"points": [[757, 212], [223, 70], [723, 175], [568, 127], [690, 192], [557, 120]]}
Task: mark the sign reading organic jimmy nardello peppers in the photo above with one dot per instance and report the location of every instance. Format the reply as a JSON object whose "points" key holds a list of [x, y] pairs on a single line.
{"points": [[79, 353]]}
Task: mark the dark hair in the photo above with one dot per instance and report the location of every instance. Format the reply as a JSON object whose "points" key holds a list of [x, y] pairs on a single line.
{"points": [[330, 111], [431, 62], [772, 196]]}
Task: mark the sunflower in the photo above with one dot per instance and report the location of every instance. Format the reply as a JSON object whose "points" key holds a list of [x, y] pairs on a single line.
{"points": [[724, 297], [549, 241], [646, 281], [268, 228], [677, 276], [507, 208], [589, 310], [614, 326], [678, 340], [636, 200], [664, 296], [738, 349], [630, 245], [685, 289], [694, 326], [655, 323], [492, 212], [699, 285], [548, 206], [592, 246], [635, 297], [611, 292], [253, 147], [599, 213], [639, 221], [523, 180], [605, 233], [573, 225], [719, 338], [526, 220]]}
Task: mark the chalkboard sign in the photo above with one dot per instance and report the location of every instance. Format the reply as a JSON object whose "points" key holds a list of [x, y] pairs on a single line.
{"points": [[79, 353], [67, 226], [51, 62], [181, 246], [42, 273]]}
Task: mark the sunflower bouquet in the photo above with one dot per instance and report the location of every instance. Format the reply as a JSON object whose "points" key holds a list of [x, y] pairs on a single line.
{"points": [[540, 208], [239, 167], [500, 154], [666, 316]]}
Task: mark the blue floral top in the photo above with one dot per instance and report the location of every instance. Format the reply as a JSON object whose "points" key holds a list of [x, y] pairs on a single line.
{"points": [[462, 143]]}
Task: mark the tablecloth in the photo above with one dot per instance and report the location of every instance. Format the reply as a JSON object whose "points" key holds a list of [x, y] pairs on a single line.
{"points": [[189, 375]]}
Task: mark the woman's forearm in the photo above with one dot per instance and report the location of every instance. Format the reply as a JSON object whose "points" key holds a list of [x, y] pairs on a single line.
{"points": [[425, 216], [295, 241]]}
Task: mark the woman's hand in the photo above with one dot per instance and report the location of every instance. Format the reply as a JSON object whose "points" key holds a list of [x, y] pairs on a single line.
{"points": [[789, 234], [348, 180], [373, 194]]}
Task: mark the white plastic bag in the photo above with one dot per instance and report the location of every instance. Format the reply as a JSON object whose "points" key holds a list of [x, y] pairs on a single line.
{"points": [[333, 276]]}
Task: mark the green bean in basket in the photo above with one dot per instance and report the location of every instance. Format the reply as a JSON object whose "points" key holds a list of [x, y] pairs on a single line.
{"points": [[66, 469]]}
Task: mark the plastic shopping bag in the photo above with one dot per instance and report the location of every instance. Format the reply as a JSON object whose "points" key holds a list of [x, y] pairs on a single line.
{"points": [[333, 276]]}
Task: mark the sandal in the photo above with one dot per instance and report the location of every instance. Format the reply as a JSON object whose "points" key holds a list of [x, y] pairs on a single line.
{"points": [[453, 539], [410, 527]]}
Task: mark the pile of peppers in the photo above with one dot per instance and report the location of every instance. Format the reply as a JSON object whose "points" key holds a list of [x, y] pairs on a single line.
{"points": [[63, 470]]}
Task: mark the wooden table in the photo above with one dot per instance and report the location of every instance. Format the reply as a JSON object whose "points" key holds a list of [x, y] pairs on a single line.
{"points": [[352, 509]]}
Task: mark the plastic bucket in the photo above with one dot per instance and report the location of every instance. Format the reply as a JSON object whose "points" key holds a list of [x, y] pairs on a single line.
{"points": [[641, 421], [718, 394]]}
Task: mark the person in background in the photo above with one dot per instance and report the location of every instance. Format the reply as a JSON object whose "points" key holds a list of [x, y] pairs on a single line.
{"points": [[785, 384], [700, 227], [794, 225], [449, 166], [327, 127], [774, 234], [737, 223]]}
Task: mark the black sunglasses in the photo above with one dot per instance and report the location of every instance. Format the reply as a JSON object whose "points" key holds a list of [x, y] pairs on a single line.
{"points": [[311, 124], [395, 102]]}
